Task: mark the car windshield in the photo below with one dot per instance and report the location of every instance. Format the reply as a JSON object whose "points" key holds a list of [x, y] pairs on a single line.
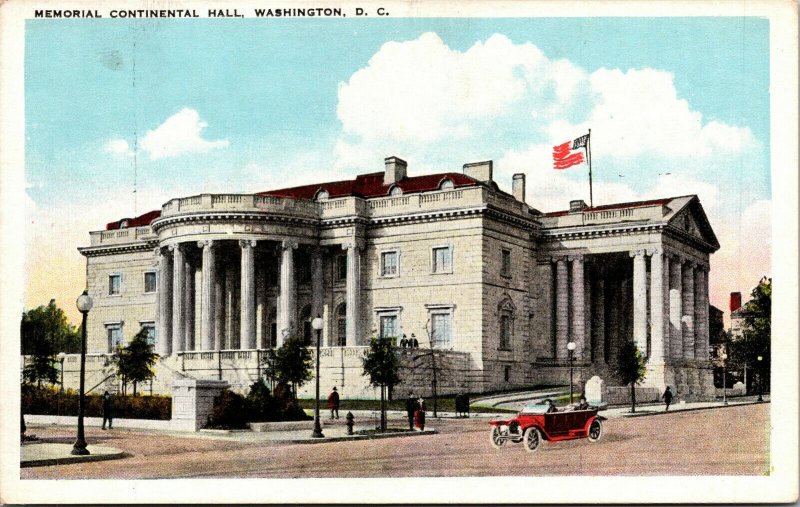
{"points": [[535, 409]]}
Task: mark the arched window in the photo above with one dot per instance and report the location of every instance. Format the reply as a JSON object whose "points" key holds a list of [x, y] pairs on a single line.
{"points": [[505, 313], [341, 325], [395, 191], [322, 195], [446, 184], [305, 318]]}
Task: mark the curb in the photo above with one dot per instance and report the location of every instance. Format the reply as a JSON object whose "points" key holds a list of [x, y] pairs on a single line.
{"points": [[397, 434], [695, 409], [69, 459]]}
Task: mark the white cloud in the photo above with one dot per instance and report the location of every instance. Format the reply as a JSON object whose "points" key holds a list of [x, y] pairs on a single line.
{"points": [[118, 148], [180, 134]]}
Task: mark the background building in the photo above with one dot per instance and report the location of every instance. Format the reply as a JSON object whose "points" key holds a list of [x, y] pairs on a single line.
{"points": [[495, 288]]}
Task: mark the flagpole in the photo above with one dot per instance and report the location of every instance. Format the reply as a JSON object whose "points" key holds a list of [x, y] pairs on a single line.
{"points": [[589, 158]]}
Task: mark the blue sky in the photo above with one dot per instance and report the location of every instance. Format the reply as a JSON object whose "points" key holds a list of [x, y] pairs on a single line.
{"points": [[676, 106]]}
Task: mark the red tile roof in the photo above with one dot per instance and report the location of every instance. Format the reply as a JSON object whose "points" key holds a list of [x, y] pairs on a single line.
{"points": [[139, 221], [371, 185], [608, 207]]}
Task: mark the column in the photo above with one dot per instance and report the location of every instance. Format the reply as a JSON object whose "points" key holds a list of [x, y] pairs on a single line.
{"points": [[288, 302], [701, 313], [188, 304], [675, 307], [562, 309], [219, 308], [688, 311], [657, 349], [665, 307], [230, 310], [578, 306], [178, 289], [640, 300], [164, 336], [316, 283], [247, 338], [599, 320], [207, 310], [353, 287], [261, 306]]}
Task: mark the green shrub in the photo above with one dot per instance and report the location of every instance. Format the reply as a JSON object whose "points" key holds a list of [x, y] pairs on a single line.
{"points": [[229, 412], [48, 401], [261, 406]]}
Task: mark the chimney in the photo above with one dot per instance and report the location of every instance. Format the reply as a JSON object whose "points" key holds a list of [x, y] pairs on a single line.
{"points": [[736, 301], [395, 170], [481, 171], [577, 206], [518, 186]]}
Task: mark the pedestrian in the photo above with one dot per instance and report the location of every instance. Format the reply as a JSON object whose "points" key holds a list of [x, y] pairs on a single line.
{"points": [[333, 402], [465, 401], [667, 396], [411, 408], [419, 415], [459, 404], [413, 343], [108, 409], [404, 342]]}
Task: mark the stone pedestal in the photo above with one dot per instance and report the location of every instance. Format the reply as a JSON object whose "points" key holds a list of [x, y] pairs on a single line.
{"points": [[192, 402], [595, 390]]}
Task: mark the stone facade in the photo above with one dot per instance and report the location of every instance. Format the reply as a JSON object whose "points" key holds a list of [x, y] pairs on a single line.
{"points": [[496, 288]]}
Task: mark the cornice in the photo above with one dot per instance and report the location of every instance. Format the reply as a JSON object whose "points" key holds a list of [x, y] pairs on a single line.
{"points": [[584, 232], [96, 251], [160, 223]]}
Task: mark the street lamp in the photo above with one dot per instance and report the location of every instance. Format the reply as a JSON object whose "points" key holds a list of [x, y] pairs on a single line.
{"points": [[724, 356], [84, 304], [571, 349], [317, 433], [61, 357], [760, 376]]}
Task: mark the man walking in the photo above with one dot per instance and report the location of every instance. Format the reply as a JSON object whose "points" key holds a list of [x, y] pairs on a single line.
{"points": [[333, 402], [667, 398], [411, 407], [107, 410]]}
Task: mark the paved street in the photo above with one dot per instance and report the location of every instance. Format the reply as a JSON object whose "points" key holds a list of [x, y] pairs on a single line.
{"points": [[725, 441]]}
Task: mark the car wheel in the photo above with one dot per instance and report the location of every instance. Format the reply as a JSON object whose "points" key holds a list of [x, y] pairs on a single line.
{"points": [[595, 431], [532, 439], [495, 438]]}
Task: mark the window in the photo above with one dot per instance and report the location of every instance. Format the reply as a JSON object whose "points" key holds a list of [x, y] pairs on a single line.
{"points": [[150, 329], [114, 336], [303, 263], [114, 284], [505, 331], [441, 329], [322, 195], [150, 281], [395, 191], [388, 326], [389, 263], [505, 268], [341, 268], [446, 185], [442, 259], [341, 325]]}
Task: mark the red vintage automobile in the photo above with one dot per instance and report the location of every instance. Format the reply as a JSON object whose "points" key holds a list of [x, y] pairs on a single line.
{"points": [[534, 424]]}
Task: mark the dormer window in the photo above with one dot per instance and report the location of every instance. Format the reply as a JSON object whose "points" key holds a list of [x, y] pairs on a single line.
{"points": [[322, 195], [123, 224], [447, 184], [395, 191]]}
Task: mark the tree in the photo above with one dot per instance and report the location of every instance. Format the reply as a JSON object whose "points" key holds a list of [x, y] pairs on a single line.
{"points": [[292, 363], [382, 366], [135, 361], [631, 368], [756, 335], [44, 331]]}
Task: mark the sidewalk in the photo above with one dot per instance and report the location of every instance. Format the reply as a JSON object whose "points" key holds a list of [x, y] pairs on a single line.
{"points": [[37, 454]]}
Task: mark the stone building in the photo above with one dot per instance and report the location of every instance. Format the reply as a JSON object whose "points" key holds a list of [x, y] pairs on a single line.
{"points": [[491, 288]]}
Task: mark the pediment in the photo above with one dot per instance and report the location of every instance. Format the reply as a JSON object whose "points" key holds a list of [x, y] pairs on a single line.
{"points": [[691, 219]]}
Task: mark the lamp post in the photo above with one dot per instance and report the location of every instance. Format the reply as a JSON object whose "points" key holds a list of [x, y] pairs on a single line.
{"points": [[571, 349], [724, 357], [84, 304], [61, 357], [760, 376], [317, 433]]}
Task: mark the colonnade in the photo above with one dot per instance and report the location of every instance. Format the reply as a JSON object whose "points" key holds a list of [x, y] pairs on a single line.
{"points": [[231, 322], [670, 307]]}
